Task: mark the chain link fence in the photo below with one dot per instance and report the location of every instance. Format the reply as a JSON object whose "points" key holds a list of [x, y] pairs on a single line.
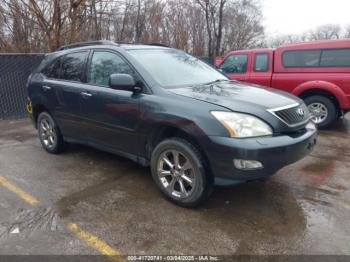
{"points": [[14, 72]]}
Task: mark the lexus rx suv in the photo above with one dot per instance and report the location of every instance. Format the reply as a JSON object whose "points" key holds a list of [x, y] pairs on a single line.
{"points": [[166, 109]]}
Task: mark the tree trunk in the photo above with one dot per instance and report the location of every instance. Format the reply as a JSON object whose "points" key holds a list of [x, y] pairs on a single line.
{"points": [[219, 32]]}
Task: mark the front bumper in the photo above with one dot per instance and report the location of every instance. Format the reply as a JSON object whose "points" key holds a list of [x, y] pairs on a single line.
{"points": [[273, 152]]}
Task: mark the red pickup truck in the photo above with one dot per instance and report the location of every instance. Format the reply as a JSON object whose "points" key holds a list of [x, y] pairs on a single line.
{"points": [[318, 72]]}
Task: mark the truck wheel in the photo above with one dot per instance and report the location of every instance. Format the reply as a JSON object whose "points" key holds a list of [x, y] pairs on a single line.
{"points": [[178, 171], [49, 134], [323, 110]]}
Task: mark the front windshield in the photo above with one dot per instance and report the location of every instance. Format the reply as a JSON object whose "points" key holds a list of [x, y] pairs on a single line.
{"points": [[170, 67]]}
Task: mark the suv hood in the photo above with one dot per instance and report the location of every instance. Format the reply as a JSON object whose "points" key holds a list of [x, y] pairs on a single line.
{"points": [[245, 98], [238, 96]]}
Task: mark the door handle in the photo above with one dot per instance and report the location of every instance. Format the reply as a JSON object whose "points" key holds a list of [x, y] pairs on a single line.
{"points": [[86, 94], [46, 88]]}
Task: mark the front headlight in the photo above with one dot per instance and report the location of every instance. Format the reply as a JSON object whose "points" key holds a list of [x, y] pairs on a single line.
{"points": [[242, 125]]}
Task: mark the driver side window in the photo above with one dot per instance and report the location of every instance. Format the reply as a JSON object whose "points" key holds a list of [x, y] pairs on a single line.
{"points": [[235, 64], [103, 64]]}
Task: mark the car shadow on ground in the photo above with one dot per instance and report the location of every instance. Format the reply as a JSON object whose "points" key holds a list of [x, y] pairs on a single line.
{"points": [[341, 126]]}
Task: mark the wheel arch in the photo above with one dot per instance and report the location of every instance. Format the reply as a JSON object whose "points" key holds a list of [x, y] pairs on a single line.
{"points": [[163, 132], [37, 109], [332, 91], [322, 92]]}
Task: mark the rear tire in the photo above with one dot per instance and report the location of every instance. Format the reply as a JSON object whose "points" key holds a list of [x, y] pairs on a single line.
{"points": [[50, 136], [178, 171], [322, 109]]}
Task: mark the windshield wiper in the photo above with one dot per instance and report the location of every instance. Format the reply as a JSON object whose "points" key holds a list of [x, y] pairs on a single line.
{"points": [[216, 81]]}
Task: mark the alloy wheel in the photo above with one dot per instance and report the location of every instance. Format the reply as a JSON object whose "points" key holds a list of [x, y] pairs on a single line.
{"points": [[176, 174], [319, 112], [47, 133]]}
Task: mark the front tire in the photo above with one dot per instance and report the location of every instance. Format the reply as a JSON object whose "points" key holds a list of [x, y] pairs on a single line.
{"points": [[178, 171], [323, 110], [49, 134]]}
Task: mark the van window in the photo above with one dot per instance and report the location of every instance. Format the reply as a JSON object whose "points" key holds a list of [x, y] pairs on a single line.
{"points": [[302, 58], [335, 57], [261, 63], [72, 66], [235, 64]]}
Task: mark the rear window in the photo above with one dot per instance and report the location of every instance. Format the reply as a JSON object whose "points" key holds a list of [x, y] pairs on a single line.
{"points": [[72, 66], [302, 58], [317, 58], [335, 57]]}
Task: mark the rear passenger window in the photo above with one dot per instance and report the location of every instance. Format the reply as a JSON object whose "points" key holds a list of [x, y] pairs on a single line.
{"points": [[235, 64], [72, 66], [302, 58], [53, 70], [261, 63], [335, 57]]}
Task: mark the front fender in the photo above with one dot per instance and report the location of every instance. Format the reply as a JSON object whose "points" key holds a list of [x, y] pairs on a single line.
{"points": [[325, 86]]}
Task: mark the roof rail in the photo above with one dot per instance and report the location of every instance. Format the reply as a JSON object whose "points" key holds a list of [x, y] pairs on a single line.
{"points": [[125, 43], [135, 43], [82, 44], [158, 44]]}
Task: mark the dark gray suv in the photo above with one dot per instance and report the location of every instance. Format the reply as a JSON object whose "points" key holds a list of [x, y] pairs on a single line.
{"points": [[165, 109]]}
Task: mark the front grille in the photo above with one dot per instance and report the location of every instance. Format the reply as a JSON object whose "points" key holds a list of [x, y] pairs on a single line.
{"points": [[293, 115]]}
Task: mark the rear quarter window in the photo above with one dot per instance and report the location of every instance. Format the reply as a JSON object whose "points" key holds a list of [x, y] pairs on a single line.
{"points": [[335, 57], [52, 70], [301, 58], [317, 58]]}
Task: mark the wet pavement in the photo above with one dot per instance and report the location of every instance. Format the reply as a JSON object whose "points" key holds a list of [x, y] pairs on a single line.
{"points": [[304, 209]]}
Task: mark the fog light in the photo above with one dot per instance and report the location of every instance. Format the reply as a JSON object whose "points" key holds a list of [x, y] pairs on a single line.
{"points": [[247, 164]]}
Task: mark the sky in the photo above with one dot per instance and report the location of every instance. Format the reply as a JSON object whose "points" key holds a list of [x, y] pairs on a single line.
{"points": [[297, 16]]}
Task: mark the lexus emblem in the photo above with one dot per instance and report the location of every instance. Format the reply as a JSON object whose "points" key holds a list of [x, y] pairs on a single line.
{"points": [[300, 111]]}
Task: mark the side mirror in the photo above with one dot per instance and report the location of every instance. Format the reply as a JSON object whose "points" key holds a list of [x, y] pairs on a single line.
{"points": [[122, 82]]}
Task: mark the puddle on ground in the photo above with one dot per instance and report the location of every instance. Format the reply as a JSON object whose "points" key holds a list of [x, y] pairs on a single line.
{"points": [[267, 212], [64, 205], [319, 165], [319, 170]]}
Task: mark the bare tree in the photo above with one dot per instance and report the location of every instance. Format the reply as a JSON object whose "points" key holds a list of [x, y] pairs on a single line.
{"points": [[203, 27], [206, 6], [286, 39], [347, 32], [325, 32], [49, 17], [196, 22], [243, 27], [218, 24], [73, 13]]}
